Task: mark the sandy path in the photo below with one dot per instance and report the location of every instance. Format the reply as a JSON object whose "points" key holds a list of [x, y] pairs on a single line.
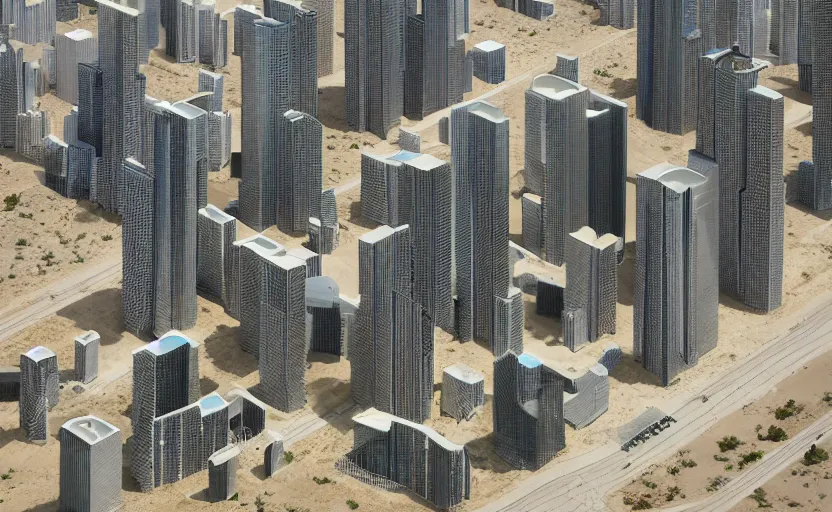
{"points": [[773, 463], [583, 482], [48, 301]]}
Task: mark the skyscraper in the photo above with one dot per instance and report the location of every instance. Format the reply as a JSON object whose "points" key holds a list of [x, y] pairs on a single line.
{"points": [[438, 56], [669, 46], [254, 254], [676, 286], [73, 48], [119, 54], [266, 97], [815, 178], [381, 190], [160, 220], [591, 287], [11, 89], [431, 226], [38, 392], [391, 361], [728, 22], [374, 80], [165, 379], [529, 427], [304, 51], [282, 352], [480, 154], [216, 233], [90, 465], [743, 133], [300, 172]]}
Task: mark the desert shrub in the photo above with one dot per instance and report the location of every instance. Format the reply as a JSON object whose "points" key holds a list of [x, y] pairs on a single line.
{"points": [[728, 443], [775, 434], [649, 484], [352, 504], [288, 457], [750, 457], [673, 470], [759, 495], [10, 202], [815, 455], [787, 411], [688, 463], [717, 482]]}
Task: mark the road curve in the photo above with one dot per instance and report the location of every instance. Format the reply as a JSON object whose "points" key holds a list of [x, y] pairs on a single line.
{"points": [[583, 482]]}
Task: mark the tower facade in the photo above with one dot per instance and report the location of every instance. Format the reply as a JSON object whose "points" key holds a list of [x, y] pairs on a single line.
{"points": [[591, 290], [374, 80], [73, 48], [38, 392], [165, 379], [529, 427], [119, 49], [282, 353], [669, 46], [11, 86], [90, 477], [480, 153], [729, 111], [300, 172], [815, 178], [266, 63], [431, 231], [676, 287]]}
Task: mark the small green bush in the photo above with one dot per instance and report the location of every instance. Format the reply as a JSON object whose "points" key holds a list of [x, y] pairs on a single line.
{"points": [[688, 463], [322, 481], [787, 411], [353, 146], [21, 242], [714, 484], [775, 434], [728, 443], [649, 484], [352, 504], [10, 202], [720, 458], [642, 504], [24, 215], [673, 470], [750, 457], [759, 495], [672, 492], [815, 455], [288, 457], [106, 238]]}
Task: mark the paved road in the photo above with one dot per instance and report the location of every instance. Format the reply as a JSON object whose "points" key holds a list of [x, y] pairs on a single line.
{"points": [[761, 472], [583, 482]]}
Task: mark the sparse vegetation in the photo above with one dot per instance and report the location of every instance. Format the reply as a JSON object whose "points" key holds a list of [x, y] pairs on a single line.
{"points": [[642, 504], [716, 483], [533, 33], [322, 481], [649, 484], [688, 463], [24, 215], [292, 508], [721, 458], [827, 397], [259, 504], [288, 457], [12, 276], [775, 434], [673, 470], [602, 73], [18, 256], [5, 476], [759, 495], [672, 492], [80, 237], [728, 443], [353, 146], [815, 455], [10, 202], [794, 504], [750, 457], [106, 238], [352, 504], [236, 497], [78, 259], [729, 467], [787, 411], [21, 242]]}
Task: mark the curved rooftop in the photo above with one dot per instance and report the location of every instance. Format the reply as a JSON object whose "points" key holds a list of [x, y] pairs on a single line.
{"points": [[464, 373], [90, 429], [382, 421], [674, 177], [487, 111], [39, 353], [555, 87]]}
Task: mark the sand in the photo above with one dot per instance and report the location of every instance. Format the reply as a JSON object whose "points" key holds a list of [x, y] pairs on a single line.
{"points": [[223, 365], [807, 387]]}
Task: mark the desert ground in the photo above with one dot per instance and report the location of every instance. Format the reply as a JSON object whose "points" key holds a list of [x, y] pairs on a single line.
{"points": [[701, 467], [71, 229]]}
